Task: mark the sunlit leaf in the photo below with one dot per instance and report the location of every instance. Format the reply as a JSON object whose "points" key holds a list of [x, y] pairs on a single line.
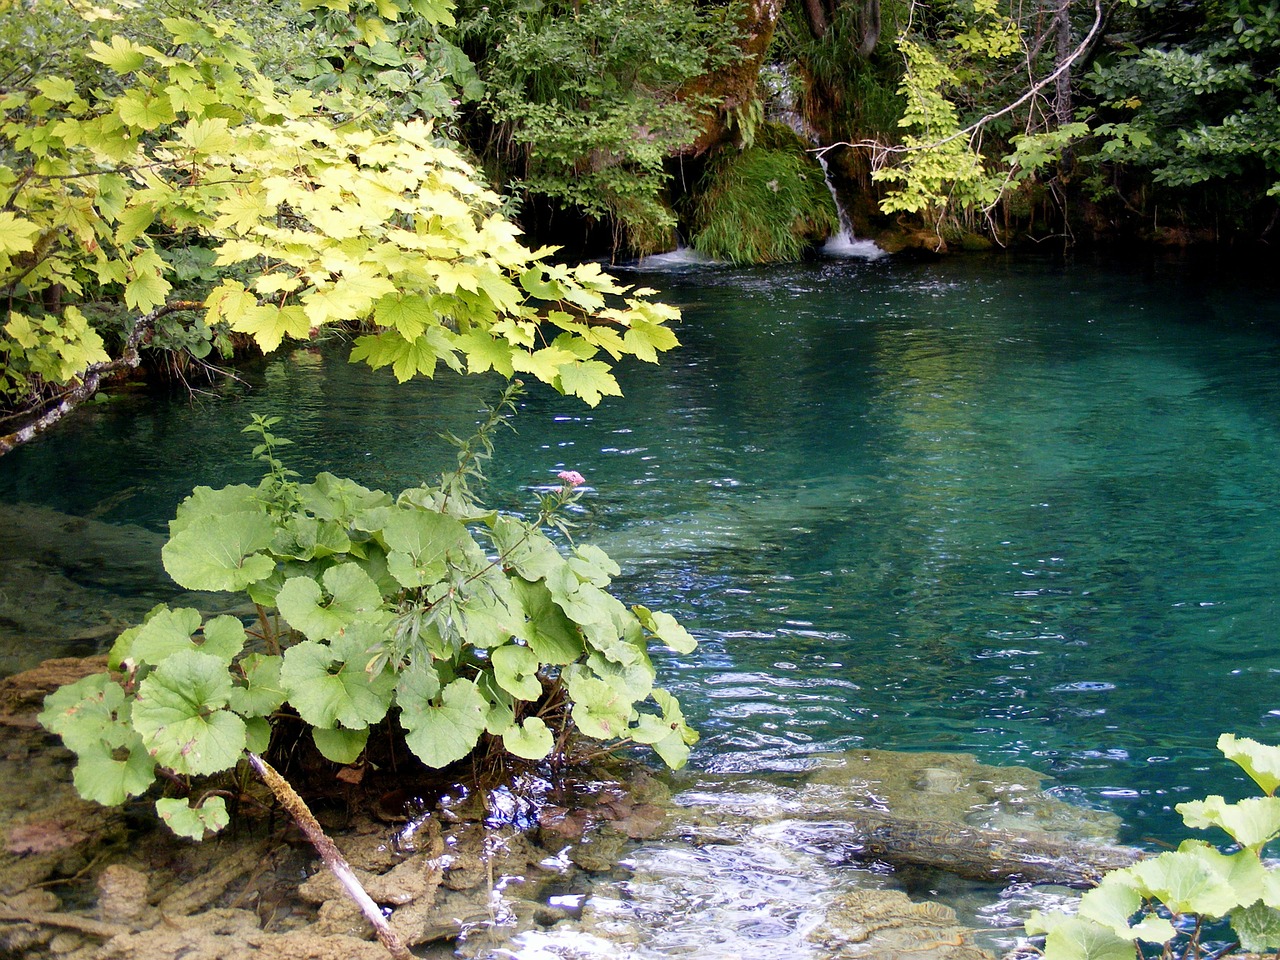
{"points": [[516, 669], [180, 714], [220, 553], [530, 739], [1259, 761]]}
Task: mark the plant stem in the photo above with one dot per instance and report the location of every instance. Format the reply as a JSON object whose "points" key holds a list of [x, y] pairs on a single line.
{"points": [[331, 856]]}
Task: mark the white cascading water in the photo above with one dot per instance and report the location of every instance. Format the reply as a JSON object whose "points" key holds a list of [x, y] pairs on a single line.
{"points": [[844, 243]]}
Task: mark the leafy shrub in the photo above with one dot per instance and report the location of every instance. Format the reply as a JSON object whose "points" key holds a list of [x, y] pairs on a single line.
{"points": [[457, 621], [1167, 900]]}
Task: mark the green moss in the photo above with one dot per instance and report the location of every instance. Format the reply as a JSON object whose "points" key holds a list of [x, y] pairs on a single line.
{"points": [[762, 205]]}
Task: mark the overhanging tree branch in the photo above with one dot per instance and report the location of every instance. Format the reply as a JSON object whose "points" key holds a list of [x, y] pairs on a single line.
{"points": [[92, 377]]}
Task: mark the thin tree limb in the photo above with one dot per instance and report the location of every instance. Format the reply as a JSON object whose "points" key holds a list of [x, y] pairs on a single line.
{"points": [[91, 379], [973, 128]]}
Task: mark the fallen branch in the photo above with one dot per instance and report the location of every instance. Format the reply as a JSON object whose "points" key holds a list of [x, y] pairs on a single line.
{"points": [[880, 149], [979, 854], [331, 856]]}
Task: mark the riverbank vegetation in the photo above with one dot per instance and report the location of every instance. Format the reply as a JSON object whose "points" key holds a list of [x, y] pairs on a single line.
{"points": [[603, 128]]}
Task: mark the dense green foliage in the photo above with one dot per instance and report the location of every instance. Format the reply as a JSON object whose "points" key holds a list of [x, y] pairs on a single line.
{"points": [[1166, 901], [764, 204], [189, 183], [584, 102], [454, 620]]}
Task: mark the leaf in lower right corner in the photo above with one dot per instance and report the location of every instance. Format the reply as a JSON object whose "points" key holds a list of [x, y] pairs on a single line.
{"points": [[1257, 926]]}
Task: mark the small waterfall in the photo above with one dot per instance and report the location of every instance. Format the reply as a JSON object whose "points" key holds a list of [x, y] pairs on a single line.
{"points": [[783, 108], [844, 243]]}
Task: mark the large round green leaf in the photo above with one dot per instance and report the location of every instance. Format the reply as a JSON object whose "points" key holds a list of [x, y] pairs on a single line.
{"points": [[328, 683], [516, 669], [442, 733], [530, 739], [180, 714], [100, 777], [350, 593], [220, 553], [418, 540]]}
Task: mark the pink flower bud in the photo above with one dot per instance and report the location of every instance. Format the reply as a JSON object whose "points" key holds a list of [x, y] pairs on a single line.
{"points": [[572, 478]]}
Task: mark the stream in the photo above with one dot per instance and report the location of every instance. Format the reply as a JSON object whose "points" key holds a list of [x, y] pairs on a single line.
{"points": [[1009, 507]]}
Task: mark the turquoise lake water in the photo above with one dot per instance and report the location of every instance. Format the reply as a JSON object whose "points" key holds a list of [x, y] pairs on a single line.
{"points": [[1014, 507]]}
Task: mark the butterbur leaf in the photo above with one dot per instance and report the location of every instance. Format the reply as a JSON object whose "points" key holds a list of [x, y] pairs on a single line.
{"points": [[1196, 878], [550, 634], [351, 593], [530, 739], [417, 541], [339, 745], [1114, 902], [328, 683], [340, 499], [88, 713], [667, 629], [102, 776], [1257, 926], [206, 502], [1251, 823], [516, 669], [440, 734], [1075, 938], [220, 553], [257, 734], [180, 714], [193, 822], [525, 549], [262, 693], [1260, 761], [600, 709], [224, 638], [163, 633], [593, 565]]}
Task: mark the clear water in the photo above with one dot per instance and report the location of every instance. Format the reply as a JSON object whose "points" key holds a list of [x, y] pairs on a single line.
{"points": [[1016, 508]]}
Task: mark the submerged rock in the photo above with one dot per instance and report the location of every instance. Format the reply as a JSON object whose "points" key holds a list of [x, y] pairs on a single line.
{"points": [[889, 925]]}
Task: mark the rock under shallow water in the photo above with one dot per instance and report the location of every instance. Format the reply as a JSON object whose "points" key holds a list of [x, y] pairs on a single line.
{"points": [[591, 867]]}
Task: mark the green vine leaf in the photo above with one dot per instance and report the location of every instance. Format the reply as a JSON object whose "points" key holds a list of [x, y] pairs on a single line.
{"points": [[1196, 878], [180, 713]]}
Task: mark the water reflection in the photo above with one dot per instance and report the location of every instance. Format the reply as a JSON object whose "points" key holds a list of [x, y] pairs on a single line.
{"points": [[1013, 508]]}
